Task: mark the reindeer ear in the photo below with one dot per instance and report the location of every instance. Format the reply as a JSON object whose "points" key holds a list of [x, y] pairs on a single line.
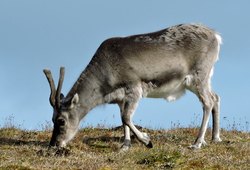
{"points": [[74, 100]]}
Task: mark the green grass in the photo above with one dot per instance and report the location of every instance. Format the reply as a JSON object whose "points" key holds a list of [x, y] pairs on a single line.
{"points": [[95, 148]]}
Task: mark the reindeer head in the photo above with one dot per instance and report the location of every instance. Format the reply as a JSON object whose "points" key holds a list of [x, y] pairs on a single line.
{"points": [[65, 117]]}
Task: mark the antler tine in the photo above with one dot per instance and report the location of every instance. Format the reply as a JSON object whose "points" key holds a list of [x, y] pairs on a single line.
{"points": [[52, 87], [59, 86]]}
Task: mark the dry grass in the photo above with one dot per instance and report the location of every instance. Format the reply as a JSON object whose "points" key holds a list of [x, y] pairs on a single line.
{"points": [[99, 149]]}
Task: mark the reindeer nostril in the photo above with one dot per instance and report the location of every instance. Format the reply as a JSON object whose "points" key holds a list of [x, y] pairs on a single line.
{"points": [[61, 122]]}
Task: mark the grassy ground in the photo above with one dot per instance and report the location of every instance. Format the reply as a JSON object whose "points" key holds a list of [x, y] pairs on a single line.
{"points": [[99, 149]]}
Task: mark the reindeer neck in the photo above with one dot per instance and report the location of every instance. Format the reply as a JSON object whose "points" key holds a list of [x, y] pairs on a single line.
{"points": [[88, 87]]}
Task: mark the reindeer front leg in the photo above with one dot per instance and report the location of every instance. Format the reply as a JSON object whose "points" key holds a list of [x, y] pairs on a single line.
{"points": [[128, 108], [127, 140]]}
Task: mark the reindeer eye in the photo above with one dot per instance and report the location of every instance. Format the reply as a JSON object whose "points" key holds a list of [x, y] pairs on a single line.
{"points": [[61, 122]]}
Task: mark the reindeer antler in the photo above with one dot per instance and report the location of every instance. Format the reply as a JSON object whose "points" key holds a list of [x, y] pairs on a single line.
{"points": [[59, 87], [52, 86], [55, 94]]}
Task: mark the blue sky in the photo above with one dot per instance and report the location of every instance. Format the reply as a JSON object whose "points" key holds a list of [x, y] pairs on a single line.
{"points": [[37, 34]]}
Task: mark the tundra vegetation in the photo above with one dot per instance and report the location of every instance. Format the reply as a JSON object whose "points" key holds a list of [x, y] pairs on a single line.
{"points": [[98, 148]]}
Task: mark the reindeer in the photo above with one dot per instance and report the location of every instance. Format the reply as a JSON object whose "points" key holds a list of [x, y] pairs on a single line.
{"points": [[162, 64]]}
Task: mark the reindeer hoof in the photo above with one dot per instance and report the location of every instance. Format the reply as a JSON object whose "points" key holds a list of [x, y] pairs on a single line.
{"points": [[126, 145], [194, 147], [124, 148], [198, 144], [216, 140], [149, 145]]}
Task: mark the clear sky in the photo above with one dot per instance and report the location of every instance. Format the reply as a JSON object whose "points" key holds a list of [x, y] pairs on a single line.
{"points": [[37, 34]]}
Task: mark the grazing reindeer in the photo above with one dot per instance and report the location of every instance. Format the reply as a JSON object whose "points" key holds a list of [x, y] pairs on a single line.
{"points": [[161, 64]]}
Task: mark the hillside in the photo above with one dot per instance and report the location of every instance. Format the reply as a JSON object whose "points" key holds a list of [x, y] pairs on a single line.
{"points": [[96, 148]]}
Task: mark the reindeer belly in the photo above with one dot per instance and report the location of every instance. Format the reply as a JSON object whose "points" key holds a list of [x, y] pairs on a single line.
{"points": [[169, 91]]}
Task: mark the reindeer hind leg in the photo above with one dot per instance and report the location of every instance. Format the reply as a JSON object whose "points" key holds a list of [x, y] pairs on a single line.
{"points": [[200, 85], [216, 118]]}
